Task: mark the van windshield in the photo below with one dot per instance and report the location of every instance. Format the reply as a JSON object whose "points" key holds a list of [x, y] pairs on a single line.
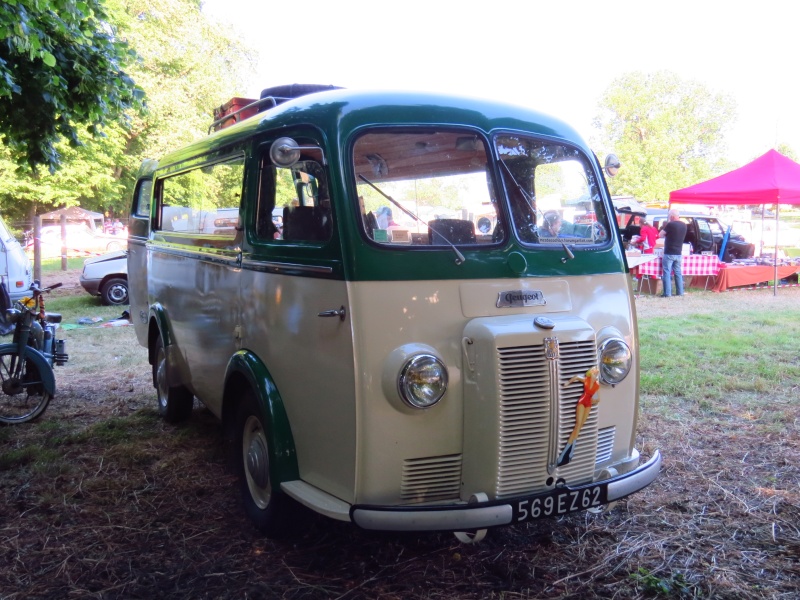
{"points": [[553, 192], [425, 187]]}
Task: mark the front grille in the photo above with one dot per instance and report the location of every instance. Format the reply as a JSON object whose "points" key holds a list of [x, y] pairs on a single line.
{"points": [[525, 414], [431, 478], [605, 444]]}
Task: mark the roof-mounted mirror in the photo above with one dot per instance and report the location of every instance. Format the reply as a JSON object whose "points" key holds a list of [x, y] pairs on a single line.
{"points": [[285, 152], [612, 165]]}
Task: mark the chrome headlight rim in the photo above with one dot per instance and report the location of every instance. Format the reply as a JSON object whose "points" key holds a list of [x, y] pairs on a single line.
{"points": [[614, 375], [412, 368]]}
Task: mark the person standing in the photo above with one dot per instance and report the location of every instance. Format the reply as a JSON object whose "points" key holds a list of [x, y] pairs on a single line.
{"points": [[648, 235], [674, 232]]}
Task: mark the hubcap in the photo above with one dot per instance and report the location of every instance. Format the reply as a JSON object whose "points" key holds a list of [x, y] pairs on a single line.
{"points": [[11, 386], [118, 293], [161, 379], [256, 462]]}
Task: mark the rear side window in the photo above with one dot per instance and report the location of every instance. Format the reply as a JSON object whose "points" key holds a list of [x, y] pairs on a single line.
{"points": [[203, 201]]}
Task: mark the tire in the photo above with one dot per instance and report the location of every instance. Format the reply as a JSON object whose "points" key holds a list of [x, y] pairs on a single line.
{"points": [[174, 403], [112, 246], [23, 399], [270, 510], [114, 292]]}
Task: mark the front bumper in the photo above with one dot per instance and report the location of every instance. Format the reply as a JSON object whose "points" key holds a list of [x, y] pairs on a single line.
{"points": [[482, 515], [91, 285]]}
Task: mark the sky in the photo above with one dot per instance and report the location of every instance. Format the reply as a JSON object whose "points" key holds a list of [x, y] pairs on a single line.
{"points": [[558, 57]]}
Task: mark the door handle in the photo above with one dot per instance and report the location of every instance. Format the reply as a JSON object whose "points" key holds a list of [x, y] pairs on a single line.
{"points": [[341, 313]]}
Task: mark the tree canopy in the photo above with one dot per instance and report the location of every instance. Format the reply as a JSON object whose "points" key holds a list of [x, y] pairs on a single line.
{"points": [[668, 133], [186, 65], [61, 68]]}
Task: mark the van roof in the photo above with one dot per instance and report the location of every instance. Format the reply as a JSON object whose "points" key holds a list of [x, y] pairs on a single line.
{"points": [[342, 111]]}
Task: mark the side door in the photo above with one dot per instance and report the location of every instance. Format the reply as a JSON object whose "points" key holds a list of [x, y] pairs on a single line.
{"points": [[704, 235], [295, 308], [138, 233]]}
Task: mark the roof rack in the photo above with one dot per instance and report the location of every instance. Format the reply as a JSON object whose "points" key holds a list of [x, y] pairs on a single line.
{"points": [[238, 109], [235, 111]]}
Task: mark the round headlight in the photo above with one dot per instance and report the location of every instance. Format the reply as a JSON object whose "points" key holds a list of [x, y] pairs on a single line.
{"points": [[422, 381], [615, 361]]}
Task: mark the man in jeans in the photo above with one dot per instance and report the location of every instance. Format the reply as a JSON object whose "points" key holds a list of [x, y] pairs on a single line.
{"points": [[674, 232]]}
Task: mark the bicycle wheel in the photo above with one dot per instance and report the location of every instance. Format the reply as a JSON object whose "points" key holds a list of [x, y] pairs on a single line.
{"points": [[23, 398]]}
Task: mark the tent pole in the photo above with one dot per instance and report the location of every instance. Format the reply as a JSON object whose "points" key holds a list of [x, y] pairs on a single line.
{"points": [[775, 257]]}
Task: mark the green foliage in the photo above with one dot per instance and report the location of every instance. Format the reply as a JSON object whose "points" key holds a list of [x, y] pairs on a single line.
{"points": [[675, 586], [61, 68], [668, 133], [787, 151], [187, 66]]}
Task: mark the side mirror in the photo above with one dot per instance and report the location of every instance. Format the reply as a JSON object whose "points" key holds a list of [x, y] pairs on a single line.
{"points": [[612, 165], [285, 152]]}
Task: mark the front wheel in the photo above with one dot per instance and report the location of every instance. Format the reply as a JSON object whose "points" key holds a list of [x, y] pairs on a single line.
{"points": [[266, 506], [23, 397], [114, 291], [174, 403]]}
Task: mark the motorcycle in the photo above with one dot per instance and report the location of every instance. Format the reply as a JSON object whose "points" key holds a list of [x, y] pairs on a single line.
{"points": [[27, 378]]}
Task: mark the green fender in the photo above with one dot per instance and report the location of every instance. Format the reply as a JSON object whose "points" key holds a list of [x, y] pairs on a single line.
{"points": [[159, 314], [38, 359], [283, 456]]}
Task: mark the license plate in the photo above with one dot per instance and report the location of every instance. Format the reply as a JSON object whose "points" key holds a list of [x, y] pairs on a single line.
{"points": [[559, 502]]}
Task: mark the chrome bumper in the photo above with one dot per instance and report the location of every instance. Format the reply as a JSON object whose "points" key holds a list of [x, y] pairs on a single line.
{"points": [[465, 517]]}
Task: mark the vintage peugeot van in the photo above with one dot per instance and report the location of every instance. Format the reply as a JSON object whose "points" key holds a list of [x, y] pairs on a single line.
{"points": [[428, 340]]}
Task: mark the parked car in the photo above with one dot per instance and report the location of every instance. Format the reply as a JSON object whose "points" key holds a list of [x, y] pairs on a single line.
{"points": [[704, 232], [15, 267], [81, 240], [107, 276]]}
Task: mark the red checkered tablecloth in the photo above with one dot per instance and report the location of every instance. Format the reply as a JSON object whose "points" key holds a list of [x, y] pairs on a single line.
{"points": [[703, 265]]}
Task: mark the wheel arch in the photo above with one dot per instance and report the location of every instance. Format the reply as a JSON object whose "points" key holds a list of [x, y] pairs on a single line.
{"points": [[111, 276], [159, 326], [42, 364], [245, 370]]}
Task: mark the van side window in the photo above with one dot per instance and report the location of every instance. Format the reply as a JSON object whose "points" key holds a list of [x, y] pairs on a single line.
{"points": [[143, 194], [204, 200], [294, 204]]}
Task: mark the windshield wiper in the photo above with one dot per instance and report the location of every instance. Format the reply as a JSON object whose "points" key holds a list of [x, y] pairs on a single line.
{"points": [[528, 198], [459, 257]]}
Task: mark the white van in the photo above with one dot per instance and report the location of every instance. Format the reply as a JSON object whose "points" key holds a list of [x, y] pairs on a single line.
{"points": [[465, 361], [15, 266]]}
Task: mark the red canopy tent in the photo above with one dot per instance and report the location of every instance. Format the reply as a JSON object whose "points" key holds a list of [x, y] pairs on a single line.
{"points": [[770, 179]]}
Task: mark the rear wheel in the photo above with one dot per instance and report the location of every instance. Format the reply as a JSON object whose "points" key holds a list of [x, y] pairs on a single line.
{"points": [[267, 507], [114, 291], [174, 403], [23, 398]]}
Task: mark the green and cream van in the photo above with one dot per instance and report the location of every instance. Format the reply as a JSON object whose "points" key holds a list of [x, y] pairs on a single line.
{"points": [[411, 312]]}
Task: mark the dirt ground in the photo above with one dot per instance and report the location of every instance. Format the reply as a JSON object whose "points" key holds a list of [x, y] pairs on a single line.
{"points": [[101, 499]]}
